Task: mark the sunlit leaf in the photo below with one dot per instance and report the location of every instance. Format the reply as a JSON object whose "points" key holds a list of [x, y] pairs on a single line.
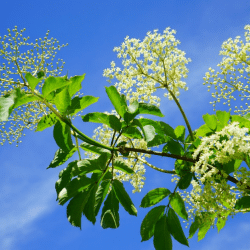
{"points": [[33, 81], [118, 102], [210, 120], [110, 214], [62, 100], [80, 103], [149, 109], [61, 156], [123, 197], [120, 165], [178, 205], [62, 136], [154, 196], [46, 121]]}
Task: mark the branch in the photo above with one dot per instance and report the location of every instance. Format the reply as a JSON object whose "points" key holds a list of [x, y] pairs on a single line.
{"points": [[184, 158]]}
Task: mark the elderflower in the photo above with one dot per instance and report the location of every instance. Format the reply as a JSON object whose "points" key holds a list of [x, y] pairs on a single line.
{"points": [[211, 192], [153, 63], [234, 73], [228, 144], [18, 57]]}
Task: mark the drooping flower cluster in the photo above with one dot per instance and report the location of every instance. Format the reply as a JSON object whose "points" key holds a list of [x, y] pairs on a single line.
{"points": [[231, 143], [234, 73], [217, 195], [18, 57], [153, 63]]}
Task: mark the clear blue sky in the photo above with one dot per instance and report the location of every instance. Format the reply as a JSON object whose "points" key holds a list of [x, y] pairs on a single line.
{"points": [[30, 217]]}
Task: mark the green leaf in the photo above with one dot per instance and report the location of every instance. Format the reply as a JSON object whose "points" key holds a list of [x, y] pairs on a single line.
{"points": [[149, 109], [194, 227], [175, 228], [123, 197], [74, 187], [75, 208], [21, 98], [223, 118], [111, 120], [115, 123], [242, 203], [167, 130], [207, 221], [65, 177], [133, 111], [110, 215], [101, 194], [158, 140], [154, 196], [149, 132], [120, 165], [80, 103], [237, 164], [132, 133], [178, 205], [221, 222], [229, 167], [91, 165], [182, 167], [89, 209], [6, 102], [61, 157], [62, 100], [210, 120], [62, 136], [243, 122], [40, 74], [133, 107], [53, 83], [94, 149], [46, 121], [75, 84], [173, 147], [185, 181], [180, 133], [118, 102], [203, 130], [33, 81], [12, 100], [144, 121], [162, 237], [148, 223]]}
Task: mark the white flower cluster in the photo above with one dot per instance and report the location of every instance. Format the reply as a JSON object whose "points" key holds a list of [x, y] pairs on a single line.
{"points": [[156, 62], [231, 143], [219, 197], [234, 73], [18, 56]]}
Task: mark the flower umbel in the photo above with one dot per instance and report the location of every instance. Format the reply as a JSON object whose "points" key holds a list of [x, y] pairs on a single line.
{"points": [[153, 63], [18, 57]]}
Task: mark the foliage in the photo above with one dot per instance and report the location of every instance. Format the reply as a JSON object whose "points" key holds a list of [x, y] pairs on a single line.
{"points": [[211, 170]]}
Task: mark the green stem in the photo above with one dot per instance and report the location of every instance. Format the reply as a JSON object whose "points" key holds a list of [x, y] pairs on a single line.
{"points": [[178, 104], [183, 114], [77, 145], [156, 168]]}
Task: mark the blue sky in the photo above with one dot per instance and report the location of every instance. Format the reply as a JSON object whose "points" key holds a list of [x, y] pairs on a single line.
{"points": [[30, 217]]}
